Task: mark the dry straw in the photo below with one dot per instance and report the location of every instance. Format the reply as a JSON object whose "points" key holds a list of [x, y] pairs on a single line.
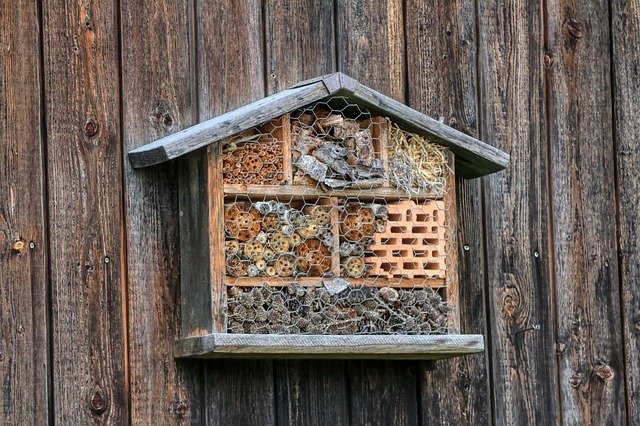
{"points": [[415, 163]]}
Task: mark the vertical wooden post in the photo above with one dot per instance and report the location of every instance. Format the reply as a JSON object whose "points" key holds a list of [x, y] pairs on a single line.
{"points": [[215, 198], [451, 276]]}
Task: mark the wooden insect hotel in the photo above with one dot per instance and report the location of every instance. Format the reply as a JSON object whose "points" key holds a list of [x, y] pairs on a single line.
{"points": [[321, 222]]}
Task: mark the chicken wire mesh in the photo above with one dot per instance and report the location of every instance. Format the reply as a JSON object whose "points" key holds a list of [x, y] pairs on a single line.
{"points": [[335, 222]]}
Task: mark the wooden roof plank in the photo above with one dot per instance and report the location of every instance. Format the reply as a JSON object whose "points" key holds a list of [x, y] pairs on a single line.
{"points": [[222, 126], [474, 158]]}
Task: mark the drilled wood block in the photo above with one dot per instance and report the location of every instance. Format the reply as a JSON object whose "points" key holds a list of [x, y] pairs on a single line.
{"points": [[414, 244]]}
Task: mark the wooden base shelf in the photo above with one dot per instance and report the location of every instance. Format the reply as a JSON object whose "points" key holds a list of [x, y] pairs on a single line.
{"points": [[317, 282], [296, 346]]}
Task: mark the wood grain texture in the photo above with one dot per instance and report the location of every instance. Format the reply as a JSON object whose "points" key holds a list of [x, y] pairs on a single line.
{"points": [[383, 392], [158, 79], [300, 44], [227, 345], [520, 290], [87, 257], [311, 392], [442, 77], [590, 359], [626, 57], [231, 74], [370, 41], [371, 44], [300, 41], [24, 323]]}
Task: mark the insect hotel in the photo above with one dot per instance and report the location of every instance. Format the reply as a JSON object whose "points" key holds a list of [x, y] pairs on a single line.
{"points": [[320, 222]]}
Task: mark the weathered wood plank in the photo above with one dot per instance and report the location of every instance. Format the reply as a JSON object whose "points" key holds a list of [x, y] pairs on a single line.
{"points": [[239, 393], [158, 77], [626, 57], [520, 290], [311, 392], [442, 77], [302, 192], [24, 323], [227, 345], [383, 392], [370, 40], [300, 44], [226, 124], [371, 44], [84, 167], [587, 292], [231, 74]]}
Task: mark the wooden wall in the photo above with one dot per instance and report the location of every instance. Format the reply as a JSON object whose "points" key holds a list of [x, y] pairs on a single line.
{"points": [[549, 249]]}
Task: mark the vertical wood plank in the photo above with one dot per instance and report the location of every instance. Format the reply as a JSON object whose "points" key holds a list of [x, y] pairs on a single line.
{"points": [[451, 279], [370, 40], [300, 41], [442, 77], [158, 80], [230, 48], [383, 392], [300, 44], [626, 57], [520, 290], [311, 392], [24, 323], [87, 257], [590, 359]]}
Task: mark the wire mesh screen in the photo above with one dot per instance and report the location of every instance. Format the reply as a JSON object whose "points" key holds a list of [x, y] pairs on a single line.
{"points": [[335, 222]]}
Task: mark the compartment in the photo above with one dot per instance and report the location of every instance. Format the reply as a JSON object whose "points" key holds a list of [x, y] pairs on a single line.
{"points": [[258, 156], [338, 146], [419, 253], [279, 239]]}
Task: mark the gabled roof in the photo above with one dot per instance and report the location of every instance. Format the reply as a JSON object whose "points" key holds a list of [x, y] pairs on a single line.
{"points": [[473, 157]]}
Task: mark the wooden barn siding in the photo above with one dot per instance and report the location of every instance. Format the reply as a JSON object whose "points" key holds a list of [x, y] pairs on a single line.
{"points": [[548, 249]]}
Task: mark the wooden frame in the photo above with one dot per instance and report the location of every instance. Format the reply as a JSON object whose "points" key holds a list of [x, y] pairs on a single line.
{"points": [[202, 197]]}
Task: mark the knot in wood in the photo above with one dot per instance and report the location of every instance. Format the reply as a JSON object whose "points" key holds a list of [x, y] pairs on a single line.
{"points": [[17, 245], [575, 28], [576, 380], [509, 305], [180, 409], [604, 372], [97, 402], [90, 128], [548, 60]]}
